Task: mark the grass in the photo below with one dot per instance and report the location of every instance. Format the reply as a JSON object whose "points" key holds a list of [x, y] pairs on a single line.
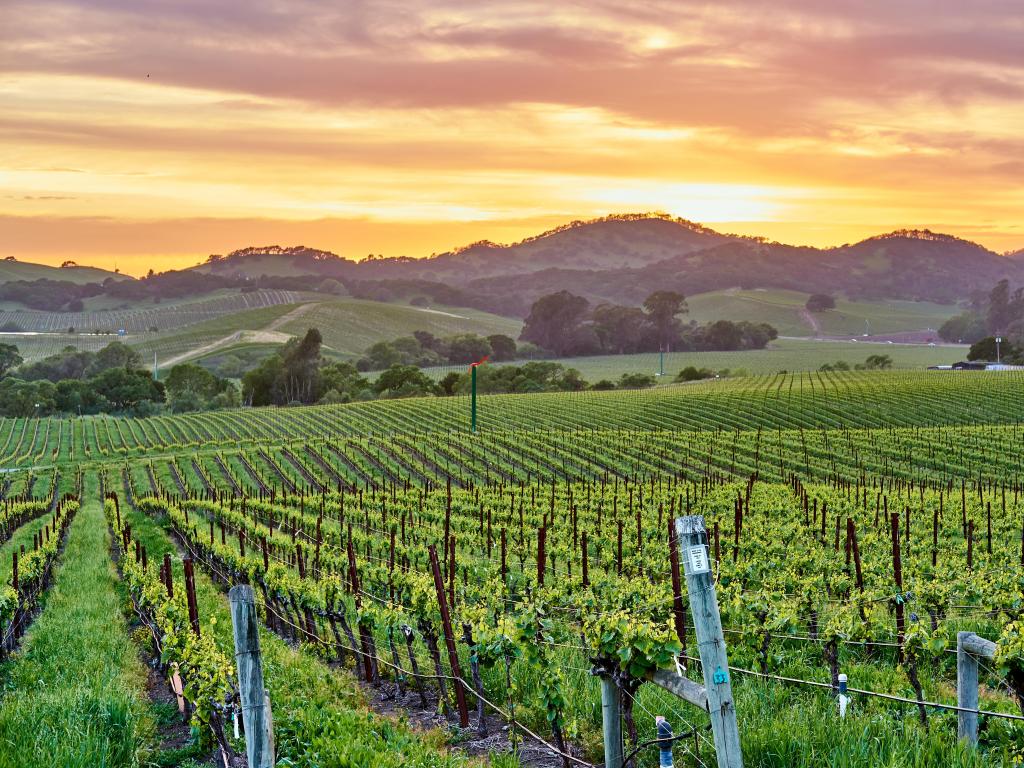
{"points": [[21, 270], [782, 309], [74, 697], [781, 355], [884, 317]]}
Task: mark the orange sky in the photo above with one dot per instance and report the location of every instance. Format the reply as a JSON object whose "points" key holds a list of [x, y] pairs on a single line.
{"points": [[150, 134]]}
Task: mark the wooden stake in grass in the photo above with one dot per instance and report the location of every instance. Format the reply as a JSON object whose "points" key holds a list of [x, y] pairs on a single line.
{"points": [[970, 544], [190, 595], [897, 572], [504, 555], [678, 609], [256, 717], [542, 536], [586, 558], [169, 575]]}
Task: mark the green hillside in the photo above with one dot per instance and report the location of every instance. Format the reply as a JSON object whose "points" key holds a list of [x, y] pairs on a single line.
{"points": [[785, 311], [884, 317], [21, 270], [349, 326]]}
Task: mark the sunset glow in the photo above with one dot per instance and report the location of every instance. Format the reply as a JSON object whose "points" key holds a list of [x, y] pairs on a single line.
{"points": [[151, 134]]}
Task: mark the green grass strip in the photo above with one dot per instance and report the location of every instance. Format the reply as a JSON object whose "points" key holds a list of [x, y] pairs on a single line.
{"points": [[74, 696]]}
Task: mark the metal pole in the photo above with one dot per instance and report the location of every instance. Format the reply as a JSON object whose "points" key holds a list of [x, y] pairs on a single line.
{"points": [[707, 624], [611, 723]]}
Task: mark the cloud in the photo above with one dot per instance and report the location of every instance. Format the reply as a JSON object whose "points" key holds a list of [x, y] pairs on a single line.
{"points": [[506, 110], [721, 64]]}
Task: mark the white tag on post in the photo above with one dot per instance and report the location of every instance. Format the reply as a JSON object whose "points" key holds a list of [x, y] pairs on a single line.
{"points": [[697, 560]]}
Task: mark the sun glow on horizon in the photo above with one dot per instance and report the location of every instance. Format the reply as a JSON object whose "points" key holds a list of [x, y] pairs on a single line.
{"points": [[161, 138]]}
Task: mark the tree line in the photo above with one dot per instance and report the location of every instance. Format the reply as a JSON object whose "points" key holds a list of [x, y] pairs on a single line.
{"points": [[425, 350], [298, 374], [74, 381], [568, 326], [112, 380], [1000, 312]]}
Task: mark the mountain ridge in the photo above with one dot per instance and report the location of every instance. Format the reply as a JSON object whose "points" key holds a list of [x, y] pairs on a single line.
{"points": [[624, 257]]}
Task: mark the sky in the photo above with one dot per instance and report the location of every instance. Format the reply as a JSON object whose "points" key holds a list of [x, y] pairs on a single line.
{"points": [[150, 133]]}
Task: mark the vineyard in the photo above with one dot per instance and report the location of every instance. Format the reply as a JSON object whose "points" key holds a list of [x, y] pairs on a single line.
{"points": [[496, 583], [161, 317], [818, 401]]}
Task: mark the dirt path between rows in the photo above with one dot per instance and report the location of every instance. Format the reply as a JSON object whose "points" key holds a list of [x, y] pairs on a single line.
{"points": [[295, 314], [269, 334]]}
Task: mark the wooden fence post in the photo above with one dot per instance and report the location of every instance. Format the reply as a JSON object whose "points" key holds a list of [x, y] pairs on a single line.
{"points": [[611, 723], [968, 648], [259, 737], [707, 623]]}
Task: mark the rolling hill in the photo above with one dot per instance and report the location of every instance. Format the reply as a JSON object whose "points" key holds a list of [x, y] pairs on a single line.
{"points": [[903, 282], [11, 270], [786, 312], [624, 258], [348, 327]]}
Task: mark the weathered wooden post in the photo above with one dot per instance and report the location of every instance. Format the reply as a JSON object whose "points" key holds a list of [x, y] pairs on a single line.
{"points": [[707, 623], [611, 723], [968, 648], [259, 736]]}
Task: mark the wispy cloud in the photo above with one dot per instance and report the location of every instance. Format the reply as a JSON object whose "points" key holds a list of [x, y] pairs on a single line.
{"points": [[502, 111]]}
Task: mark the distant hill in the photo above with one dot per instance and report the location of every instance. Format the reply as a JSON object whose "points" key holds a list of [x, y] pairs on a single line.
{"points": [[268, 260], [11, 270], [614, 242], [623, 258], [907, 265]]}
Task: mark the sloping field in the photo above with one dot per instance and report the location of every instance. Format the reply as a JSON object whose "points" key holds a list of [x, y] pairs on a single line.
{"points": [[20, 270], [151, 319], [349, 326], [785, 310]]}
